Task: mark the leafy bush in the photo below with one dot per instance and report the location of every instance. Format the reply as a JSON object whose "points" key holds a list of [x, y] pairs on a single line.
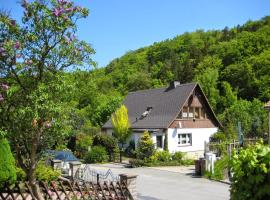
{"points": [[218, 137], [107, 141], [7, 163], [146, 147], [178, 156], [83, 144], [163, 156], [136, 163], [97, 154], [21, 176], [251, 173], [47, 174]]}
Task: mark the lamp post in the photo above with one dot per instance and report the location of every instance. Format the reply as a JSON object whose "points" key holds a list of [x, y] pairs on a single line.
{"points": [[267, 107]]}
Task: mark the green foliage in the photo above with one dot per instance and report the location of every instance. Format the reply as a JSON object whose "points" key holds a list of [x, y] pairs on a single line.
{"points": [[83, 144], [251, 173], [252, 116], [163, 156], [97, 154], [221, 167], [218, 137], [146, 147], [21, 175], [108, 142], [121, 124], [178, 156], [208, 81], [46, 173], [7, 163]]}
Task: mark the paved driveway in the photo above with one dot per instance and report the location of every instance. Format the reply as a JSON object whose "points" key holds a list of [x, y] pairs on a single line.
{"points": [[171, 183]]}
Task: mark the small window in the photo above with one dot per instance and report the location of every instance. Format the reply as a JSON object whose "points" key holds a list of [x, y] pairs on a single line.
{"points": [[185, 113], [184, 139]]}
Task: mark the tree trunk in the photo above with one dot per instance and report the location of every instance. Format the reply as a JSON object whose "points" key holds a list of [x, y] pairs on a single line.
{"points": [[34, 185]]}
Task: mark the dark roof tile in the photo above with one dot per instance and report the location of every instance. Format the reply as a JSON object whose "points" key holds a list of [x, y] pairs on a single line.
{"points": [[165, 103]]}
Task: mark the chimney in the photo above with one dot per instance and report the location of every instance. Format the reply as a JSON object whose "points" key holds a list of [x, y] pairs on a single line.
{"points": [[173, 85]]}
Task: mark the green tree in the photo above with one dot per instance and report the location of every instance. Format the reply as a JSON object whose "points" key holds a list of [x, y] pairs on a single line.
{"points": [[34, 92], [146, 147], [208, 80], [83, 144], [7, 163], [121, 126]]}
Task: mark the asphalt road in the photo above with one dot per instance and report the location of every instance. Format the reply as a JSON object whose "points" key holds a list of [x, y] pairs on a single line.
{"points": [[166, 184]]}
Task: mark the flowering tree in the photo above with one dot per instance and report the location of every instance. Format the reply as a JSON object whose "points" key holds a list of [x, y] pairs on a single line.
{"points": [[33, 92]]}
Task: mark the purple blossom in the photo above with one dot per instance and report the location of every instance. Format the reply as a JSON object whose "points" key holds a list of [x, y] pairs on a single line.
{"points": [[80, 48], [69, 9], [62, 1], [2, 50], [67, 39], [5, 87], [17, 45], [1, 98], [57, 12]]}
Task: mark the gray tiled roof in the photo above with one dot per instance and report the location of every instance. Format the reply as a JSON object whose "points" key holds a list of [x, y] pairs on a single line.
{"points": [[165, 104]]}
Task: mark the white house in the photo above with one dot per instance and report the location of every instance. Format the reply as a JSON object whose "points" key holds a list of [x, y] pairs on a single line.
{"points": [[181, 111]]}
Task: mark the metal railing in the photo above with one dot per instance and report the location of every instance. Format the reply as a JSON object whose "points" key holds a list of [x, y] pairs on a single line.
{"points": [[92, 175]]}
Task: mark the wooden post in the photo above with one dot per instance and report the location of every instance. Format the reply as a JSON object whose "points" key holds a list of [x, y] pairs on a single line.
{"points": [[130, 181]]}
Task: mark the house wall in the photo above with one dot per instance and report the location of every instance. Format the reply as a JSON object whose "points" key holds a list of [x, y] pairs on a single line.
{"points": [[137, 135], [199, 136]]}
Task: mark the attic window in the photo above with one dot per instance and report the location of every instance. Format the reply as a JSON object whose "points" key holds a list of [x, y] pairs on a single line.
{"points": [[145, 113]]}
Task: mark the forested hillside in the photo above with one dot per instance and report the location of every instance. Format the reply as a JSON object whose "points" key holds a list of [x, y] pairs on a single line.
{"points": [[232, 66]]}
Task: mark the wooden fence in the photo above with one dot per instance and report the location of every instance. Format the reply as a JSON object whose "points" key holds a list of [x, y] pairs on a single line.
{"points": [[65, 189]]}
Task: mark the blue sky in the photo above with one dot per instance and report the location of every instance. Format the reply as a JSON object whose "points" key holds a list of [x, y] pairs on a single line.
{"points": [[117, 26]]}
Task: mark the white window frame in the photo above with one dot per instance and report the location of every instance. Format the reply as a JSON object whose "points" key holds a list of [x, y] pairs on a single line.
{"points": [[187, 138]]}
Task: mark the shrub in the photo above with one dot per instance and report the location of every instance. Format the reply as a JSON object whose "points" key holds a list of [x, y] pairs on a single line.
{"points": [[21, 175], [7, 163], [136, 163], [107, 141], [146, 146], [251, 173], [97, 154], [163, 156], [178, 156], [46, 174], [83, 144]]}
